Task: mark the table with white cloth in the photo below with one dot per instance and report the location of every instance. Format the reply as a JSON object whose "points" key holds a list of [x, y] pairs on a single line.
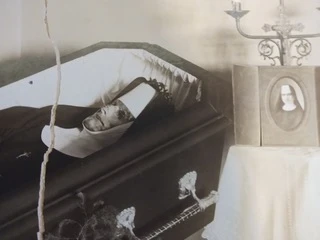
{"points": [[268, 193]]}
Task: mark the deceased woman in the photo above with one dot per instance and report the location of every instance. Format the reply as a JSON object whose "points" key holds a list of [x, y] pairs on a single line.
{"points": [[79, 132]]}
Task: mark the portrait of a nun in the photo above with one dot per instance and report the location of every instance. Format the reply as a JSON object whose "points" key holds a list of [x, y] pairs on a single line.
{"points": [[287, 111]]}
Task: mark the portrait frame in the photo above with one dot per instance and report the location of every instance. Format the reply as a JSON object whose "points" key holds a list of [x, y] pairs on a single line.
{"points": [[254, 123], [300, 92], [306, 133]]}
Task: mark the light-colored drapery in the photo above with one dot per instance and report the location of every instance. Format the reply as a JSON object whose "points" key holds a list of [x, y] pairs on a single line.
{"points": [[268, 193]]}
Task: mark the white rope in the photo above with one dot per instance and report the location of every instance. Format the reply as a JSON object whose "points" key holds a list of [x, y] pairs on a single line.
{"points": [[41, 221]]}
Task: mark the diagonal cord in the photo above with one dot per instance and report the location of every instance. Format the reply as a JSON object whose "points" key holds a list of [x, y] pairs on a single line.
{"points": [[41, 222]]}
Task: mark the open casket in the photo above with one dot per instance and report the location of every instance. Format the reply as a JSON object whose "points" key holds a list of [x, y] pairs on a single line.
{"points": [[153, 175]]}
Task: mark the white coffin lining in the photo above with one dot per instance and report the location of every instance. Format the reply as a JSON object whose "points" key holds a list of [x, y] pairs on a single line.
{"points": [[90, 80]]}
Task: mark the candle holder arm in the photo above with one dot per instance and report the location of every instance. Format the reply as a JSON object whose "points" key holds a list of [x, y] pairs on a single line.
{"points": [[314, 35], [253, 36]]}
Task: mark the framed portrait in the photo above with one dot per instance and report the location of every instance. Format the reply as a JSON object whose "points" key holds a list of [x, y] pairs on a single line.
{"points": [[283, 104], [286, 102]]}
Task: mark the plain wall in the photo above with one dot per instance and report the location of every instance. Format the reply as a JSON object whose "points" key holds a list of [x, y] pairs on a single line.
{"points": [[198, 30], [10, 29]]}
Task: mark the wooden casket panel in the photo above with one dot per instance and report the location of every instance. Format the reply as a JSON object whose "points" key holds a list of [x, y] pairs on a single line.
{"points": [[143, 170], [149, 182]]}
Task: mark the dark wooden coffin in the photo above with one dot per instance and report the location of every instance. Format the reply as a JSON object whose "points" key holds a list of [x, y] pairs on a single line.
{"points": [[141, 170]]}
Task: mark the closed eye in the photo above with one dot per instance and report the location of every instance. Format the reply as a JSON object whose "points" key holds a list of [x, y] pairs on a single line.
{"points": [[100, 120], [121, 114], [103, 111]]}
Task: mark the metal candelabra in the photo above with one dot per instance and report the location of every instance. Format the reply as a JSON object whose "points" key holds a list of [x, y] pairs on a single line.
{"points": [[283, 41]]}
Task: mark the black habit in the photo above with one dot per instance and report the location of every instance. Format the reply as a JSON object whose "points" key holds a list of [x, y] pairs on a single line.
{"points": [[21, 147]]}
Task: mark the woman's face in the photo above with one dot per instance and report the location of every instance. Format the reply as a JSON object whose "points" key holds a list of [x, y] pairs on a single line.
{"points": [[286, 95], [107, 117]]}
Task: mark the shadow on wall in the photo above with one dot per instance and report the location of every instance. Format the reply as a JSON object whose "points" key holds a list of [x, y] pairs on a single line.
{"points": [[226, 50], [14, 70], [221, 50]]}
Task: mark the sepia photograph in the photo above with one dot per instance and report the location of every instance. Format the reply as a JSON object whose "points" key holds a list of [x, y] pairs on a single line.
{"points": [[287, 104], [159, 120], [117, 129]]}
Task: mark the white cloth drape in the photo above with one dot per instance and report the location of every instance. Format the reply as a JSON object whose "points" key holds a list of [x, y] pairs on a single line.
{"points": [[268, 193]]}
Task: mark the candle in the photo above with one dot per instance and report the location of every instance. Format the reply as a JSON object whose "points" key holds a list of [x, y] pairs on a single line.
{"points": [[236, 4]]}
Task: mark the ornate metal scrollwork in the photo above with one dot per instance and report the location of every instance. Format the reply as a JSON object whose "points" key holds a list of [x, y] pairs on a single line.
{"points": [[106, 222], [302, 47], [187, 187], [187, 184], [266, 49], [283, 33], [126, 219]]}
